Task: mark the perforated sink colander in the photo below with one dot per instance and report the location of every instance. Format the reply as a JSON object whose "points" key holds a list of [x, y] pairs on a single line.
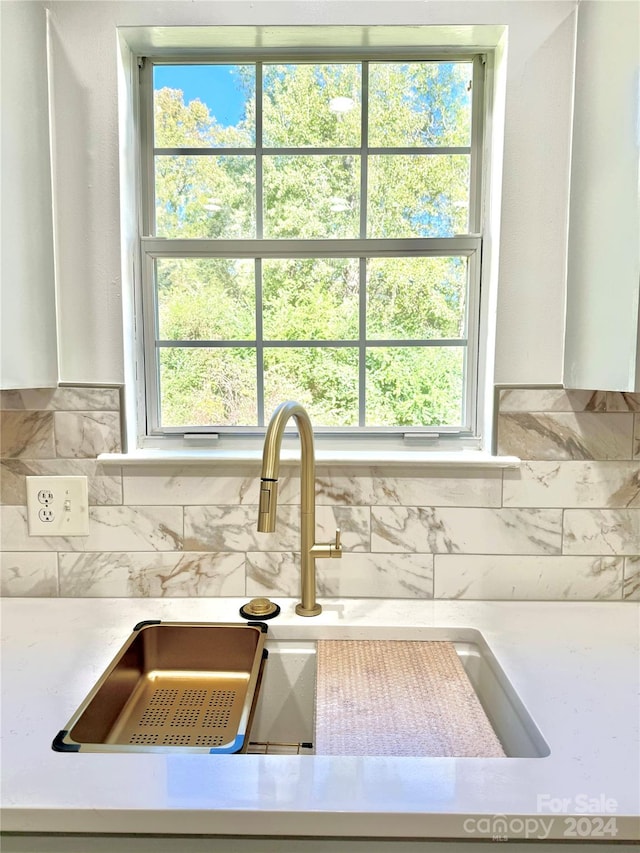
{"points": [[181, 716], [174, 686]]}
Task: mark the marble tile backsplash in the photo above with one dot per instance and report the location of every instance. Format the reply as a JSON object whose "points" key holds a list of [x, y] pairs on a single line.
{"points": [[565, 526]]}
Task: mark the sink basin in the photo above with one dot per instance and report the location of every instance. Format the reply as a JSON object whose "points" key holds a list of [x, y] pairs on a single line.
{"points": [[285, 710], [173, 687], [202, 687]]}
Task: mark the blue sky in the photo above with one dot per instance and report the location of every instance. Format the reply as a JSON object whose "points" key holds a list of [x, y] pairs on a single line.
{"points": [[215, 85], [221, 89]]}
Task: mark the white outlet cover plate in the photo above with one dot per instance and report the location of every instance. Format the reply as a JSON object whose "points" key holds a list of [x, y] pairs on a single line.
{"points": [[69, 505]]}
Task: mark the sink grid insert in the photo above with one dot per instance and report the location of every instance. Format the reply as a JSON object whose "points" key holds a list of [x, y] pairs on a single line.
{"points": [[181, 714]]}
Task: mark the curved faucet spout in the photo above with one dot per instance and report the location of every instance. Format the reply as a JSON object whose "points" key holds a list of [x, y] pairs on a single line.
{"points": [[309, 551], [271, 464]]}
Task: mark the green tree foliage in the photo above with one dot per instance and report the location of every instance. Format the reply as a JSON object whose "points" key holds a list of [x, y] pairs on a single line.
{"points": [[315, 196]]}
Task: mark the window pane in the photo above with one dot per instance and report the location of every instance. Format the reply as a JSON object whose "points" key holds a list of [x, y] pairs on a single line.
{"points": [[324, 380], [205, 196], [206, 299], [420, 103], [310, 299], [417, 298], [311, 105], [219, 319], [311, 196], [210, 106], [200, 386], [414, 386], [430, 195]]}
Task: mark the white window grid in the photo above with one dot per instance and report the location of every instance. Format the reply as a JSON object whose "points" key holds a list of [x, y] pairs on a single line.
{"points": [[463, 245]]}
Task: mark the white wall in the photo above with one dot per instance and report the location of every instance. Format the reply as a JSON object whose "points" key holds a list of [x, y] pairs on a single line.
{"points": [[536, 163], [28, 356], [604, 227]]}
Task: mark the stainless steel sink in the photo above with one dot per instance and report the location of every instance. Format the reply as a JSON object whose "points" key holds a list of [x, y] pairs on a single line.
{"points": [[173, 687]]}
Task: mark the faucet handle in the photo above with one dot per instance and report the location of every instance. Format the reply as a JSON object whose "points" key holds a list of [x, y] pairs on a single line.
{"points": [[328, 550], [336, 548]]}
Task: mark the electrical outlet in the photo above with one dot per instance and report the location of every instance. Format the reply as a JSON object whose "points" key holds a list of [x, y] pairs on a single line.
{"points": [[58, 506]]}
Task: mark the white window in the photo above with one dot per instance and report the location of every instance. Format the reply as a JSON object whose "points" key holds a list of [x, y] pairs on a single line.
{"points": [[312, 231]]}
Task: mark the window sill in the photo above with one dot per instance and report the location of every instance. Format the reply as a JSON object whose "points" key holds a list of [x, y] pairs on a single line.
{"points": [[345, 458]]}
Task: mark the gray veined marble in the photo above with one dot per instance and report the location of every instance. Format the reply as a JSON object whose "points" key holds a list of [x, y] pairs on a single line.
{"points": [[366, 486], [622, 401], [551, 400], [86, 434], [395, 487], [274, 573], [458, 534], [564, 436], [105, 483], [560, 400], [573, 484], [234, 528], [111, 528], [191, 485], [135, 529], [539, 578], [602, 531], [354, 523], [28, 575], [27, 435], [470, 531], [62, 399], [379, 576], [363, 575], [631, 591], [151, 575]]}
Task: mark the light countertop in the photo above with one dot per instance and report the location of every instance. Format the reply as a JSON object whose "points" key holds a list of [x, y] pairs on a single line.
{"points": [[576, 667]]}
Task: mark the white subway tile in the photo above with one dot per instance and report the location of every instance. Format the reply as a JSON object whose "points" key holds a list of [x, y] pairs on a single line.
{"points": [[573, 484], [472, 531], [602, 531], [558, 436], [151, 574], [32, 575], [534, 577], [111, 528], [86, 434]]}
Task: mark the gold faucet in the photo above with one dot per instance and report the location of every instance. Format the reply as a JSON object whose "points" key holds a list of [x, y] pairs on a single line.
{"points": [[269, 499]]}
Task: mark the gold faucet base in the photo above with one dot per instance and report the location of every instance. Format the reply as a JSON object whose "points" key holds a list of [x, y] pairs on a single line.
{"points": [[308, 611]]}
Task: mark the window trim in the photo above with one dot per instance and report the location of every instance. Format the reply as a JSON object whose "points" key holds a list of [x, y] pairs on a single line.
{"points": [[468, 245]]}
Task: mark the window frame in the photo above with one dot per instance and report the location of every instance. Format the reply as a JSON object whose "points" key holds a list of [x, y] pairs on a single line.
{"points": [[468, 245]]}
